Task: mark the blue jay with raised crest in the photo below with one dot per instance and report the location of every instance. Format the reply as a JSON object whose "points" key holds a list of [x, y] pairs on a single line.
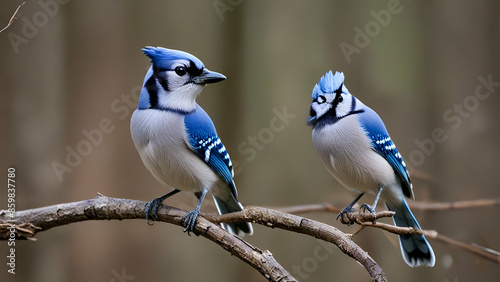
{"points": [[354, 145], [177, 140]]}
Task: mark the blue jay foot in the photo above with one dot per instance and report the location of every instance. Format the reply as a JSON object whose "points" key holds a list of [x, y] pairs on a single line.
{"points": [[346, 210], [152, 207], [366, 207], [372, 207], [189, 220]]}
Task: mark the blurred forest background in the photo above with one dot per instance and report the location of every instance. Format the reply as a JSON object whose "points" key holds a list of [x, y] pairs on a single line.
{"points": [[66, 67]]}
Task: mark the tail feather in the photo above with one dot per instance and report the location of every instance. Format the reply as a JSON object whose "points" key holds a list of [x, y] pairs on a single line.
{"points": [[229, 206], [415, 248]]}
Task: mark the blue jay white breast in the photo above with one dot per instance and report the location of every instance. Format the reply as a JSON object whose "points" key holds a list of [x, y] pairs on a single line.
{"points": [[177, 140], [356, 148]]}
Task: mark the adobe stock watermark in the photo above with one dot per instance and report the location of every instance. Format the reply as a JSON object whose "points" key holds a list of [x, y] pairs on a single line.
{"points": [[31, 26], [121, 108], [11, 211], [363, 37], [223, 6], [454, 117], [258, 142]]}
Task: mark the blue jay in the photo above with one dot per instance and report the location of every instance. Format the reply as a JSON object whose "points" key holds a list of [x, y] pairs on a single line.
{"points": [[177, 140], [354, 145]]}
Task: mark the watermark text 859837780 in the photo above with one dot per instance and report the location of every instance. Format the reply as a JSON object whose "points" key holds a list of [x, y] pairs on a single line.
{"points": [[11, 191], [11, 209]]}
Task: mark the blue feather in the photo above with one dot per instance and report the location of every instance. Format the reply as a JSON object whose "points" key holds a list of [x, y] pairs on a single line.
{"points": [[415, 248], [203, 140], [382, 143], [328, 83], [165, 58]]}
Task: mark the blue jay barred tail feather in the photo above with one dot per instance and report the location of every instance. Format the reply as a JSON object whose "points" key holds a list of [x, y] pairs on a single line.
{"points": [[415, 248], [229, 206]]}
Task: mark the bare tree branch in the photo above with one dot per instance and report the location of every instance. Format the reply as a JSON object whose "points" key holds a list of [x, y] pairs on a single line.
{"points": [[454, 205], [13, 18], [27, 223], [414, 205], [370, 219], [277, 219], [432, 234]]}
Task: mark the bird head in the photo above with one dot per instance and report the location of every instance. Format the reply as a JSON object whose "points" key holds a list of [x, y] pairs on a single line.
{"points": [[174, 80], [330, 99]]}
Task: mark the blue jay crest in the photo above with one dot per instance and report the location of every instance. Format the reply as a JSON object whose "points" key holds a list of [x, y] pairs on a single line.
{"points": [[164, 58], [328, 83], [332, 101]]}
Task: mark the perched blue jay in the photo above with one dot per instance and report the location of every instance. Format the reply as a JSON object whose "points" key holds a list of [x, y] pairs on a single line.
{"points": [[177, 140], [355, 147]]}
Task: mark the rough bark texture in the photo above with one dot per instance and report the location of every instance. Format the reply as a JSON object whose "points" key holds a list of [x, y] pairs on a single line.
{"points": [[27, 223]]}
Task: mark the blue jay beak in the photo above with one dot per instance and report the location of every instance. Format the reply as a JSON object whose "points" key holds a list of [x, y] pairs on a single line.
{"points": [[208, 77]]}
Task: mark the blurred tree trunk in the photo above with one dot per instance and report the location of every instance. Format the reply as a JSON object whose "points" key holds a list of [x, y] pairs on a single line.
{"points": [[33, 111]]}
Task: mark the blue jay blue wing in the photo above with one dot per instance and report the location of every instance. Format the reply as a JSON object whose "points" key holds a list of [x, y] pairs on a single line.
{"points": [[204, 141], [210, 149], [382, 144], [385, 147]]}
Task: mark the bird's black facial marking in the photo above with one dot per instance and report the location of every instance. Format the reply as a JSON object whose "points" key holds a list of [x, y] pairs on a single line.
{"points": [[153, 91], [312, 112], [338, 96], [163, 82], [192, 70], [158, 69]]}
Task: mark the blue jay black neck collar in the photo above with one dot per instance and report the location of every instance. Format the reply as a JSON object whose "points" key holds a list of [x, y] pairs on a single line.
{"points": [[172, 110], [158, 107], [331, 117]]}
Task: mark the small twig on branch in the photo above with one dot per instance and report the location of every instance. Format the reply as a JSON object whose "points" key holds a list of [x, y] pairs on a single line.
{"points": [[13, 18], [104, 208], [423, 206], [453, 205], [369, 219]]}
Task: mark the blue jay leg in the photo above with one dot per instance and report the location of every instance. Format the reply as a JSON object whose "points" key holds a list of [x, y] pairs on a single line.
{"points": [[348, 209], [372, 207], [189, 220], [152, 207]]}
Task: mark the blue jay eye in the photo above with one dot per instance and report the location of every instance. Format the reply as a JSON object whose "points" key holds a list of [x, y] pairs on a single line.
{"points": [[340, 99], [180, 71], [321, 99]]}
